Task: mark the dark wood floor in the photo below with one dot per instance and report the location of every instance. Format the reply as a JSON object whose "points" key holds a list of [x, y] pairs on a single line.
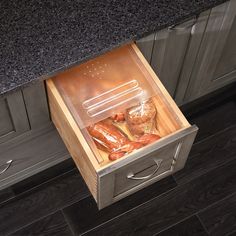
{"points": [[198, 200]]}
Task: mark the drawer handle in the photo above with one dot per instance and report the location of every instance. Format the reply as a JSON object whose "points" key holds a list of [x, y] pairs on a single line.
{"points": [[8, 163], [132, 175], [180, 28]]}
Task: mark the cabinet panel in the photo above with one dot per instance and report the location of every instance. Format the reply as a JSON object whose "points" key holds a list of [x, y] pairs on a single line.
{"points": [[146, 46], [13, 117], [197, 33], [29, 154], [215, 64], [6, 125], [36, 105], [169, 51]]}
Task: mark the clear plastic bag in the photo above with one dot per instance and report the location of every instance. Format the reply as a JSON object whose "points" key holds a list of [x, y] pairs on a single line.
{"points": [[141, 119], [141, 122], [112, 140]]}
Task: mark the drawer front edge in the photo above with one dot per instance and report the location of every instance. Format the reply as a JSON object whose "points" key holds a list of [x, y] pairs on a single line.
{"points": [[66, 128], [106, 180]]}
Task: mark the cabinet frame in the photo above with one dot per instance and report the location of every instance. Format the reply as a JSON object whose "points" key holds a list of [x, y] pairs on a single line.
{"points": [[17, 116]]}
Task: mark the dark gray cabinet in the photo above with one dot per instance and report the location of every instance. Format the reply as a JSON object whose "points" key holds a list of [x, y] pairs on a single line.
{"points": [[146, 46], [29, 142], [22, 111], [214, 65], [29, 154], [196, 57], [166, 49], [169, 49], [191, 59], [36, 105], [13, 116]]}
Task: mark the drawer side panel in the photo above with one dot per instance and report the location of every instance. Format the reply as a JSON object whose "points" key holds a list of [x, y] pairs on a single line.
{"points": [[67, 130]]}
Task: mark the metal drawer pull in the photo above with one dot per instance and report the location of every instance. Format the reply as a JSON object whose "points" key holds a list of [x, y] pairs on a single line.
{"points": [[8, 163], [132, 175], [187, 25]]}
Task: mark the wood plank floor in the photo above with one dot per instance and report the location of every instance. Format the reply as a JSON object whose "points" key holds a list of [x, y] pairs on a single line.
{"points": [[198, 200]]}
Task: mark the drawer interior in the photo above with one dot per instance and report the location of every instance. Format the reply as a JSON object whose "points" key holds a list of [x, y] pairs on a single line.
{"points": [[110, 84], [166, 123]]}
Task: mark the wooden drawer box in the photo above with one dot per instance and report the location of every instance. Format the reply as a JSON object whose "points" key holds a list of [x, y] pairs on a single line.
{"points": [[126, 74]]}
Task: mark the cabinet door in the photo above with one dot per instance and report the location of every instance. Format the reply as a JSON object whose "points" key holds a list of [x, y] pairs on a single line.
{"points": [[146, 46], [36, 105], [168, 53], [13, 117], [215, 64]]}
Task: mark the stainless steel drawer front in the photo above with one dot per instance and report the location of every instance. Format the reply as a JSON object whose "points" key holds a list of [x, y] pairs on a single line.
{"points": [[5, 166], [151, 166], [135, 177]]}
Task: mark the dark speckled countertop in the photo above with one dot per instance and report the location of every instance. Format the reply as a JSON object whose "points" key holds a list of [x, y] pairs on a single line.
{"points": [[40, 38]]}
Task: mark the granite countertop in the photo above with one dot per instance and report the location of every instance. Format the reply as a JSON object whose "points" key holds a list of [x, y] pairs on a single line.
{"points": [[42, 37]]}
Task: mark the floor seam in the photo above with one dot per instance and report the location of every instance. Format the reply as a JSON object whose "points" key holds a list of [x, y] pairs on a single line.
{"points": [[165, 229], [117, 216], [42, 217], [25, 226], [214, 134], [46, 182], [68, 224], [16, 196], [211, 169], [231, 233], [202, 223], [159, 196], [215, 203]]}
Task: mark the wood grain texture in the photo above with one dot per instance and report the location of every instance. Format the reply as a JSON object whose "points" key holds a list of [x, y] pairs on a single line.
{"points": [[66, 109], [54, 224], [232, 234], [189, 227], [170, 208], [6, 194], [168, 52], [73, 138], [220, 219], [197, 33], [156, 208], [84, 215], [6, 125], [209, 154], [217, 44], [43, 176], [215, 118], [31, 153], [146, 46], [36, 105], [212, 100], [13, 117], [163, 90], [41, 201]]}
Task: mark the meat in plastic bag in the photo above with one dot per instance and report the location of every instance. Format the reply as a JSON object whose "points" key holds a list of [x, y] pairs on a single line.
{"points": [[141, 118], [118, 117], [111, 139]]}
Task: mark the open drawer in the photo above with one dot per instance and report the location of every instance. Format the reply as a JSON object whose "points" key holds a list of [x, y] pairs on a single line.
{"points": [[90, 94]]}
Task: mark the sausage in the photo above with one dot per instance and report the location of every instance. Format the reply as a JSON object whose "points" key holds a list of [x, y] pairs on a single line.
{"points": [[111, 139], [116, 155], [131, 146], [148, 139], [107, 136], [118, 117], [127, 148]]}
